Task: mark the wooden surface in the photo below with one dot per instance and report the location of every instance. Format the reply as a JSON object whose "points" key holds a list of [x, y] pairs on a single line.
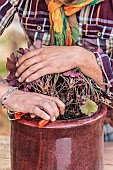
{"points": [[5, 154], [108, 156]]}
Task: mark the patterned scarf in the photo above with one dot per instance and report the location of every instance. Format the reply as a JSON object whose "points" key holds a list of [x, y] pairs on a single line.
{"points": [[63, 20]]}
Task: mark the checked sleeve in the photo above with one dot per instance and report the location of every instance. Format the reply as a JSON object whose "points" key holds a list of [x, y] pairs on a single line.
{"points": [[7, 12], [106, 64]]}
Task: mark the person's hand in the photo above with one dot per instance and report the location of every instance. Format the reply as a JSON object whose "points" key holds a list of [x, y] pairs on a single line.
{"points": [[57, 59], [46, 107]]}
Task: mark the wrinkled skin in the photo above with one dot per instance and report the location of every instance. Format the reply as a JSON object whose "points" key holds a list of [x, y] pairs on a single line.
{"points": [[55, 59], [43, 106]]}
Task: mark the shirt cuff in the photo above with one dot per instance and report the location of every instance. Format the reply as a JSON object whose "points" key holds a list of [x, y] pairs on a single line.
{"points": [[106, 65]]}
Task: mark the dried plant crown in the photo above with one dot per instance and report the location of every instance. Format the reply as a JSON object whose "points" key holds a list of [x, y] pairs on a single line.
{"points": [[80, 94]]}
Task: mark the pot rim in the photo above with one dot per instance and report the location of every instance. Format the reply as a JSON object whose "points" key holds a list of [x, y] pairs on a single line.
{"points": [[69, 123]]}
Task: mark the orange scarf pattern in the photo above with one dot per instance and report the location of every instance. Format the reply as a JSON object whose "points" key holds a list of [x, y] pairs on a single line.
{"points": [[63, 20]]}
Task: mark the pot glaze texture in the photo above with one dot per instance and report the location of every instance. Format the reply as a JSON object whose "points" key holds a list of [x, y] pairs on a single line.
{"points": [[61, 145]]}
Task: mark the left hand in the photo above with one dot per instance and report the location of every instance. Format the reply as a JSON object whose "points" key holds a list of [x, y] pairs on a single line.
{"points": [[46, 60], [57, 59]]}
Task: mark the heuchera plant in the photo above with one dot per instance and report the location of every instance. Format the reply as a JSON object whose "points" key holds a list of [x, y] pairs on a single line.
{"points": [[80, 94]]}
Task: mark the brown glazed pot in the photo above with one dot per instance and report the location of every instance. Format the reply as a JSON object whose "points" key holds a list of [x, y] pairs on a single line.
{"points": [[61, 145]]}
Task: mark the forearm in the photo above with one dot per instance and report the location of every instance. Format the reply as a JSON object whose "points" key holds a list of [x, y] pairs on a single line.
{"points": [[88, 65]]}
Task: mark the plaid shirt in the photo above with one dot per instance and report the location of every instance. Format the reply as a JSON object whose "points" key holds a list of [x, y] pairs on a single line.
{"points": [[108, 133], [95, 28]]}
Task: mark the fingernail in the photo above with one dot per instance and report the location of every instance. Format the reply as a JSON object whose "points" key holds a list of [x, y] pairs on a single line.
{"points": [[16, 64], [62, 113], [53, 119], [20, 79], [47, 117], [27, 80], [16, 74], [32, 115]]}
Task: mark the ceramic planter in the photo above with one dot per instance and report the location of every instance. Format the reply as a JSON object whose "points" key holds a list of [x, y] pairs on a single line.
{"points": [[62, 145]]}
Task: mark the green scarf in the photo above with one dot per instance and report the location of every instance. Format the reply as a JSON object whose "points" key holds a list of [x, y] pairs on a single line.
{"points": [[63, 20]]}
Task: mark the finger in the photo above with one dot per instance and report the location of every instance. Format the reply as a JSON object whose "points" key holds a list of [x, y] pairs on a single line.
{"points": [[55, 108], [27, 64], [28, 55], [41, 72], [32, 115], [40, 113], [48, 108], [61, 106], [59, 103], [31, 71]]}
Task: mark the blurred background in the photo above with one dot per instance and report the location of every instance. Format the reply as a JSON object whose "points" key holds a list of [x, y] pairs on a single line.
{"points": [[12, 38]]}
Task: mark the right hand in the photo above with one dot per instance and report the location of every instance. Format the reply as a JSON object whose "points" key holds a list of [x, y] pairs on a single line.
{"points": [[46, 107]]}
